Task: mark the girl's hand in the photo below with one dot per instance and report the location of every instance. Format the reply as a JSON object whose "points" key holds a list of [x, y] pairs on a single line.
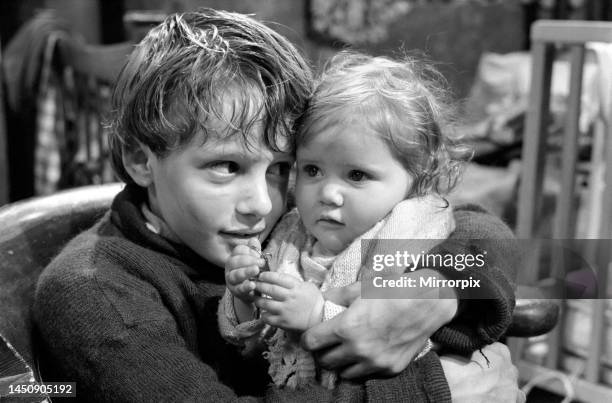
{"points": [[290, 303], [242, 266]]}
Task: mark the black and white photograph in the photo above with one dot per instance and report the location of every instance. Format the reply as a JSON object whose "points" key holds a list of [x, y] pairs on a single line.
{"points": [[306, 201]]}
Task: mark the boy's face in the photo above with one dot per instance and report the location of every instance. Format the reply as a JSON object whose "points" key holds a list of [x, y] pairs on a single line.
{"points": [[347, 181], [217, 194]]}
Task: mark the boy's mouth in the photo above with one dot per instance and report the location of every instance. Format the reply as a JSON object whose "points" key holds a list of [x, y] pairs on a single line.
{"points": [[242, 234]]}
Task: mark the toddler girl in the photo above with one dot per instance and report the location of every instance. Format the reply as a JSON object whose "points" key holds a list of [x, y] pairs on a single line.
{"points": [[372, 163]]}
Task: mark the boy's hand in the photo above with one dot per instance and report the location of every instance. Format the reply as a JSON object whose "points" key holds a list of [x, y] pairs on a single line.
{"points": [[487, 376], [376, 336], [290, 303], [242, 266]]}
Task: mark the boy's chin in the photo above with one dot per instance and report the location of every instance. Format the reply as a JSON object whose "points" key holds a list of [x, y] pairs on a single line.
{"points": [[217, 257]]}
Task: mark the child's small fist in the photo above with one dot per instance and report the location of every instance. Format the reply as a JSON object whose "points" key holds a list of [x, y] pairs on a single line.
{"points": [[242, 266], [290, 303]]}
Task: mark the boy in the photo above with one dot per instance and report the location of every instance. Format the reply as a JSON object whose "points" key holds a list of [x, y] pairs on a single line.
{"points": [[202, 114]]}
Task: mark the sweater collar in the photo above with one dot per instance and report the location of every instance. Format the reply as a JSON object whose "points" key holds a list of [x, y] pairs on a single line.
{"points": [[127, 215]]}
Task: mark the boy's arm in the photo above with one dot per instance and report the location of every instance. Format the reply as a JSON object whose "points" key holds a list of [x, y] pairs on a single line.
{"points": [[484, 312], [369, 338], [113, 356]]}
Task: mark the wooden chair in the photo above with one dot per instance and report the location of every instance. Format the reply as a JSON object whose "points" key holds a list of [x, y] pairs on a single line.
{"points": [[546, 36], [87, 74], [33, 232]]}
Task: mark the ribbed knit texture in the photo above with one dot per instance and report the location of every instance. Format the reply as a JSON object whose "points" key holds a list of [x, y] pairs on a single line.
{"points": [[130, 316], [486, 312]]}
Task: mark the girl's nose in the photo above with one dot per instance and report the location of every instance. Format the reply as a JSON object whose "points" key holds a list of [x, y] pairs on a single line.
{"points": [[331, 194]]}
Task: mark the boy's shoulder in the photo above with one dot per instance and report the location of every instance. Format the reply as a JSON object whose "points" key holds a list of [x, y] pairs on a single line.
{"points": [[95, 265], [100, 273], [84, 251], [475, 222], [79, 250]]}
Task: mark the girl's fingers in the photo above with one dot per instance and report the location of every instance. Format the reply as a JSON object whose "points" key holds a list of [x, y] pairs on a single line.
{"points": [[273, 291], [254, 245], [238, 261], [237, 276], [281, 279], [246, 287], [246, 250]]}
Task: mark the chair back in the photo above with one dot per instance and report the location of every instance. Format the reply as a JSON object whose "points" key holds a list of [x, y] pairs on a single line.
{"points": [[32, 233], [547, 39], [86, 75]]}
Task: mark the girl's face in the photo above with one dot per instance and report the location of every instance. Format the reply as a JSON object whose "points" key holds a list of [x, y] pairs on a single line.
{"points": [[347, 180]]}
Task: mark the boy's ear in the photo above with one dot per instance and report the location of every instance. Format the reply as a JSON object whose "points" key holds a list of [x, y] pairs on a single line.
{"points": [[137, 161]]}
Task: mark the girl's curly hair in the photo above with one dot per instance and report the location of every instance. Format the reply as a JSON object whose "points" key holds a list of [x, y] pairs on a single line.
{"points": [[404, 101]]}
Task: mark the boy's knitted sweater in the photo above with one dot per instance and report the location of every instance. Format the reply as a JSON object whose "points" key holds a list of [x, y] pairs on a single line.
{"points": [[130, 316]]}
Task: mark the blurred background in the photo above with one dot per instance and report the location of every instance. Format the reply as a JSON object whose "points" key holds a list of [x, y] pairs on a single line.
{"points": [[59, 59], [454, 33]]}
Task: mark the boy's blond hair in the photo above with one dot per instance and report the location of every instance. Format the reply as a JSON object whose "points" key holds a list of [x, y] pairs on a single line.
{"points": [[182, 72]]}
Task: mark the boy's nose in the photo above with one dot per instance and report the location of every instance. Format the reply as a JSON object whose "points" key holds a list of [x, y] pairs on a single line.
{"points": [[331, 194], [255, 199]]}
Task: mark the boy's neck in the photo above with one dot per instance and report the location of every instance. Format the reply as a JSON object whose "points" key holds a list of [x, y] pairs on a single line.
{"points": [[156, 224]]}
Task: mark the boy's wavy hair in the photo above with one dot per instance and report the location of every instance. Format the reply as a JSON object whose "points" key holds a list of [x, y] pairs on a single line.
{"points": [[183, 71], [405, 102]]}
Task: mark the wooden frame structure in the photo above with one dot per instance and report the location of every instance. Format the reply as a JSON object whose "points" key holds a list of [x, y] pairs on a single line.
{"points": [[546, 36]]}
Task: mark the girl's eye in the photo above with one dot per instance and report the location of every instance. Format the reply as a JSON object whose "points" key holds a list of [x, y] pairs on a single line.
{"points": [[357, 176], [311, 170], [224, 167], [281, 169]]}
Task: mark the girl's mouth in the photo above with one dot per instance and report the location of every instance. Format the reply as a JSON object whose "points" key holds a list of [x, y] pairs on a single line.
{"points": [[330, 221]]}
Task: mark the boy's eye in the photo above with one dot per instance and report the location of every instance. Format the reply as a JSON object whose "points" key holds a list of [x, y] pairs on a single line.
{"points": [[224, 167], [357, 176], [311, 170], [281, 169]]}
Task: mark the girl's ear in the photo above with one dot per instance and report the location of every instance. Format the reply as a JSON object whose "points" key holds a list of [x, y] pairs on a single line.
{"points": [[138, 162]]}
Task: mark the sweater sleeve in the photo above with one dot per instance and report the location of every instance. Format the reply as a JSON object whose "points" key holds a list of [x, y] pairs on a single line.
{"points": [[135, 351], [485, 312], [245, 335]]}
